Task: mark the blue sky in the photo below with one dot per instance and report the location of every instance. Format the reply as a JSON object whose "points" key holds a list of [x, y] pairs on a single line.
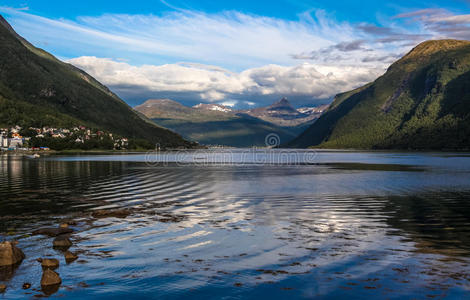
{"points": [[242, 53]]}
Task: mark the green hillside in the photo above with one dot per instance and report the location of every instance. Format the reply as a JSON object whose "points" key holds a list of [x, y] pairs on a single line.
{"points": [[421, 102], [36, 89]]}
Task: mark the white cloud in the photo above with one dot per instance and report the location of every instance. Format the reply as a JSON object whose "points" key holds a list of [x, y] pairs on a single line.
{"points": [[215, 84]]}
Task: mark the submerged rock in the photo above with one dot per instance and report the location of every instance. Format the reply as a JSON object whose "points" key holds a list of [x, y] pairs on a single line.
{"points": [[50, 263], [48, 290], [7, 272], [10, 254], [70, 257], [116, 213], [50, 282], [26, 285], [53, 231], [3, 288], [62, 242]]}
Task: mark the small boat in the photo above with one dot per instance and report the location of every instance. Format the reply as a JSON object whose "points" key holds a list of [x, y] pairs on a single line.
{"points": [[35, 155]]}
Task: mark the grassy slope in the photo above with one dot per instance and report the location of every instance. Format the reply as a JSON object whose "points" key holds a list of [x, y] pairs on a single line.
{"points": [[38, 89], [421, 102]]}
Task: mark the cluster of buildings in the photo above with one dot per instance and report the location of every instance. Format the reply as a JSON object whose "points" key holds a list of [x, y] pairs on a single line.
{"points": [[11, 138]]}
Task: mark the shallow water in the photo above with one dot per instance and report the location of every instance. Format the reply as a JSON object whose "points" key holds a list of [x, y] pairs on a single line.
{"points": [[244, 224]]}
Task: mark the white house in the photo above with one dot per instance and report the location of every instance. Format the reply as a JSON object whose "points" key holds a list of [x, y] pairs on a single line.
{"points": [[3, 141]]}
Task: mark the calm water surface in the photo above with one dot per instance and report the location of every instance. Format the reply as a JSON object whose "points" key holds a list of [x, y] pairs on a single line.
{"points": [[244, 224]]}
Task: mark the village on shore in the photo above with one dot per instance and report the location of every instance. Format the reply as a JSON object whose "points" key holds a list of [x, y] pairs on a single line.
{"points": [[16, 138]]}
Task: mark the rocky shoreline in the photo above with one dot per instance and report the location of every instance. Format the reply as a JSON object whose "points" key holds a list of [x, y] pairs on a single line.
{"points": [[11, 255]]}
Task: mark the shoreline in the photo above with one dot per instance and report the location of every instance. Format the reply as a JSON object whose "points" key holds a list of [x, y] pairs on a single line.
{"points": [[320, 150]]}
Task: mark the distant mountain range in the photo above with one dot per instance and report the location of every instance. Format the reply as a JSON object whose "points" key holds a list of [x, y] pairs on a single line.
{"points": [[421, 102], [215, 124], [36, 89], [282, 113]]}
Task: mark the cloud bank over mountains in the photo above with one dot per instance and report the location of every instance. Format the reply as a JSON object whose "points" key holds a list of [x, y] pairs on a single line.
{"points": [[214, 84], [234, 57]]}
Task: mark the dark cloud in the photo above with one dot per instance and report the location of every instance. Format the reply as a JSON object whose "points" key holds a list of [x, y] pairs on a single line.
{"points": [[328, 54], [350, 46], [389, 35], [384, 58], [442, 23], [421, 13], [406, 38], [376, 30]]}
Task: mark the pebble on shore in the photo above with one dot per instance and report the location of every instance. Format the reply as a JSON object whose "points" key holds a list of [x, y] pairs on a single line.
{"points": [[10, 254]]}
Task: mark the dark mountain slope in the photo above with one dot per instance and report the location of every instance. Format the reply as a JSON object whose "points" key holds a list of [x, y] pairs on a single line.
{"points": [[421, 102], [59, 94]]}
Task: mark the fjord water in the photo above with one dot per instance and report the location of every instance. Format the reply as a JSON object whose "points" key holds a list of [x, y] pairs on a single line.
{"points": [[244, 224]]}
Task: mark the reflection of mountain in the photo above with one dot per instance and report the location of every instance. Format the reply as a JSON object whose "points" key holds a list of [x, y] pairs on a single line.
{"points": [[24, 183], [438, 223], [220, 125]]}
